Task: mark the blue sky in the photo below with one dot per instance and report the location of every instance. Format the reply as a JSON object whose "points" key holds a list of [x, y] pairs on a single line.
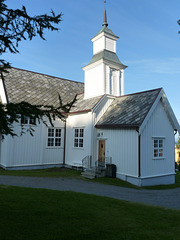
{"points": [[148, 42]]}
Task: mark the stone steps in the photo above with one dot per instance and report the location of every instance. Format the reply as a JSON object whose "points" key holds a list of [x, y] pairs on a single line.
{"points": [[88, 174], [92, 173]]}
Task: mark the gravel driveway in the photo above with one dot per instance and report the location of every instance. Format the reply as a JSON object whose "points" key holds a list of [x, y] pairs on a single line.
{"points": [[164, 198]]}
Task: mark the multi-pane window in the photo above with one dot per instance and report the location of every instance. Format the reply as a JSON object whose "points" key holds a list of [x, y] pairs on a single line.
{"points": [[27, 121], [78, 137], [158, 148], [54, 137]]}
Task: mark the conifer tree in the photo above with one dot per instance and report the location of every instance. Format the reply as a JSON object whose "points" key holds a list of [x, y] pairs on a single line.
{"points": [[17, 25]]}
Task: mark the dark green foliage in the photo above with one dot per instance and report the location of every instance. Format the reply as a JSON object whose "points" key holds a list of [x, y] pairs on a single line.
{"points": [[16, 25], [13, 112]]}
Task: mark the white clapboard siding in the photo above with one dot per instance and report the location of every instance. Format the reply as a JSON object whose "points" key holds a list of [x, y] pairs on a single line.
{"points": [[157, 126], [122, 146], [27, 150], [83, 120], [94, 81]]}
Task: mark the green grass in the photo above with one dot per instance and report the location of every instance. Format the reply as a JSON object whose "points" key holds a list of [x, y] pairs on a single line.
{"points": [[40, 214], [115, 182], [49, 172], [70, 173]]}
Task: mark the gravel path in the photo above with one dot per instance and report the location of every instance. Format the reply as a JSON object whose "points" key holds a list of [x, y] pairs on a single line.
{"points": [[164, 198]]}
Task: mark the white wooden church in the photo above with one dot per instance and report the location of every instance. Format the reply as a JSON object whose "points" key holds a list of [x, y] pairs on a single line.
{"points": [[135, 132]]}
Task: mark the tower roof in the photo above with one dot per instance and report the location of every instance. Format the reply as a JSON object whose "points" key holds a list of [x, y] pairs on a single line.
{"points": [[107, 56], [105, 28]]}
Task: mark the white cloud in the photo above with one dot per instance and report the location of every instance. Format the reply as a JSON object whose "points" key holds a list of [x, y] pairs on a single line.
{"points": [[163, 66]]}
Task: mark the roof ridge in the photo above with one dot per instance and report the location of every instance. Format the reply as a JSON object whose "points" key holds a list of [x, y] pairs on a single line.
{"points": [[46, 75], [131, 94]]}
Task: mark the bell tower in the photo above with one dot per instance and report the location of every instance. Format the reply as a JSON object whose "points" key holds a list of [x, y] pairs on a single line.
{"points": [[105, 73]]}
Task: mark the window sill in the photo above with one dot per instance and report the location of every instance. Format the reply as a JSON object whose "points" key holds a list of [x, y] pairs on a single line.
{"points": [[61, 147], [78, 148], [28, 125], [159, 158]]}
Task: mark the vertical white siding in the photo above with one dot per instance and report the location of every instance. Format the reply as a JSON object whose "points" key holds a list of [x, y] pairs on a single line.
{"points": [[53, 155], [98, 45], [28, 150], [4, 152], [158, 125], [83, 120], [122, 146], [94, 81]]}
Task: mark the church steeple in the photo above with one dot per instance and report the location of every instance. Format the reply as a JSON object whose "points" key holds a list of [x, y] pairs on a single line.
{"points": [[105, 16], [105, 73]]}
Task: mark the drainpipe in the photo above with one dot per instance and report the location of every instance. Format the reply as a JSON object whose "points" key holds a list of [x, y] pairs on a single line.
{"points": [[139, 156], [64, 153], [139, 152], [175, 132]]}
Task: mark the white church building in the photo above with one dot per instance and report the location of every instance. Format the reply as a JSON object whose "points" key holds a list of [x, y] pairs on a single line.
{"points": [[135, 132]]}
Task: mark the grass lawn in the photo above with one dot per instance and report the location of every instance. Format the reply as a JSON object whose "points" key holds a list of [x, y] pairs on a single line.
{"points": [[70, 173], [37, 214], [48, 172]]}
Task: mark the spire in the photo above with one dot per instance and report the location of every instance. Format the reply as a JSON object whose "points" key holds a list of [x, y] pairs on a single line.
{"points": [[105, 16]]}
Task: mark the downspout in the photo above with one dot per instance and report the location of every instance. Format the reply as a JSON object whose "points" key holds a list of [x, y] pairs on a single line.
{"points": [[175, 132], [139, 152], [139, 156], [64, 153]]}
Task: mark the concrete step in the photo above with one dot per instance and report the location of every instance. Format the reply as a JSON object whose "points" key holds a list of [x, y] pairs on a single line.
{"points": [[101, 173], [88, 174], [92, 173]]}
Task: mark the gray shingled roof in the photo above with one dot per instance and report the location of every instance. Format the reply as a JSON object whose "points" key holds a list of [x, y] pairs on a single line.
{"points": [[106, 30], [107, 55], [129, 110], [85, 104], [36, 88]]}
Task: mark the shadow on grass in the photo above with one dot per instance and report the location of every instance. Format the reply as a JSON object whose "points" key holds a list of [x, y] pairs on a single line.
{"points": [[47, 214]]}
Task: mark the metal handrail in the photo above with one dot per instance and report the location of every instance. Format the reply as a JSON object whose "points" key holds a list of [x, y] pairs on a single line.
{"points": [[102, 164], [87, 162]]}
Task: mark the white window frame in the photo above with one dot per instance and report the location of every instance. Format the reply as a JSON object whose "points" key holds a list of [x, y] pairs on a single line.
{"points": [[28, 121], [78, 138], [54, 137], [158, 148]]}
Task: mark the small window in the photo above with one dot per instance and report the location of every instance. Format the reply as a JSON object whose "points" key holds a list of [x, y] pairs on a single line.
{"points": [[54, 137], [158, 148], [28, 121], [78, 137]]}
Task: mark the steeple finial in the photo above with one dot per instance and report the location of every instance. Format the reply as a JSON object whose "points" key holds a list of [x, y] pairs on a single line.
{"points": [[105, 16]]}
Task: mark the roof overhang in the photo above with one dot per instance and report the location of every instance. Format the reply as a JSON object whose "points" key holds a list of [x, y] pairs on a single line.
{"points": [[118, 126], [167, 107]]}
